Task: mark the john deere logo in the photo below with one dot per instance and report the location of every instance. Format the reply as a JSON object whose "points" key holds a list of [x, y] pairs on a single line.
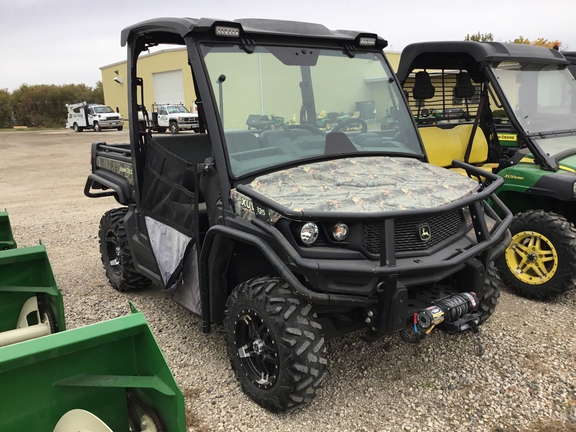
{"points": [[424, 233]]}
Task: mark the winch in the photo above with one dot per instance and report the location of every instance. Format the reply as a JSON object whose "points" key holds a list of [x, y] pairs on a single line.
{"points": [[450, 310]]}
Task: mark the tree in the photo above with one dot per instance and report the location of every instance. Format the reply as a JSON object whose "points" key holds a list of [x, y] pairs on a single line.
{"points": [[45, 105], [489, 37], [5, 109], [480, 37], [98, 93]]}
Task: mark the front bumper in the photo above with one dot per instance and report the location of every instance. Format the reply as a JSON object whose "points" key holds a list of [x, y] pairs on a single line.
{"points": [[110, 124]]}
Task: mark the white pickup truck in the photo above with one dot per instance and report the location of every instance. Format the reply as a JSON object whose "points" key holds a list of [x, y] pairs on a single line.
{"points": [[92, 116], [172, 117]]}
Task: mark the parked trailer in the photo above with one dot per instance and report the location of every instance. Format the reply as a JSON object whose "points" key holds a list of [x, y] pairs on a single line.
{"points": [[105, 376]]}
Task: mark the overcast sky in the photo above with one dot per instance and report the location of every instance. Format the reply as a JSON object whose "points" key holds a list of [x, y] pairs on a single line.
{"points": [[66, 42]]}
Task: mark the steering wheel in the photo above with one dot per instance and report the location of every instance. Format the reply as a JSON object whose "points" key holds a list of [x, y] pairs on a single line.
{"points": [[350, 121]]}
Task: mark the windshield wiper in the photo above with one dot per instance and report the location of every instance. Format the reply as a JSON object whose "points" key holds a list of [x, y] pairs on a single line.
{"points": [[564, 132]]}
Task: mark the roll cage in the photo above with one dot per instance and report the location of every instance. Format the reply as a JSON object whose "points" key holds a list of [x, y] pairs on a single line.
{"points": [[477, 58]]}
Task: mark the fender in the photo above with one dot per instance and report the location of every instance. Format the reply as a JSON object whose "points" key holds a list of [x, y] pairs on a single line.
{"points": [[219, 231], [103, 179], [555, 185]]}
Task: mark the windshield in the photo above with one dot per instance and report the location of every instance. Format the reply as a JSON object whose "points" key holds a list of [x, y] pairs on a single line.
{"points": [[280, 105], [177, 109], [543, 99], [103, 110]]}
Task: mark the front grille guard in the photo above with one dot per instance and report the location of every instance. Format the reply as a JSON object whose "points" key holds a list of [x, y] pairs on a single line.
{"points": [[410, 235], [487, 239]]}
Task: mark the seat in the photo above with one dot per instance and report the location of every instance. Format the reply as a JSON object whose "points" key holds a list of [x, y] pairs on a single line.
{"points": [[423, 88], [241, 141], [443, 145], [464, 88]]}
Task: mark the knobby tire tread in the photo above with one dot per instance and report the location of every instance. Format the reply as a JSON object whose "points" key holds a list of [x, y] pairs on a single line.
{"points": [[300, 341]]}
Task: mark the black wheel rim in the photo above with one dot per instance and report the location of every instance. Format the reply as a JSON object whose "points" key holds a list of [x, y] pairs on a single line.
{"points": [[257, 349], [113, 253]]}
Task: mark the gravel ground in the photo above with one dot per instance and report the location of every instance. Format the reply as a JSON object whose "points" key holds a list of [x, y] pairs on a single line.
{"points": [[526, 375]]}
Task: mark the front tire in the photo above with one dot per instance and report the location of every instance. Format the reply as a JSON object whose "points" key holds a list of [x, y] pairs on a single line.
{"points": [[116, 255], [120, 128], [540, 262], [97, 127], [174, 129], [275, 344], [489, 297]]}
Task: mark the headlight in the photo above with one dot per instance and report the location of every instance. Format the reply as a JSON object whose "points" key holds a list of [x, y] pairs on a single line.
{"points": [[340, 231], [309, 233]]}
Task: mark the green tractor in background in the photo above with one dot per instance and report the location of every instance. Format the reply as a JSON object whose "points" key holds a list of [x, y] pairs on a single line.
{"points": [[517, 118]]}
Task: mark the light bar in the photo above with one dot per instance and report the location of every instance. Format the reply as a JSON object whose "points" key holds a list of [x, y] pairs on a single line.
{"points": [[227, 31], [365, 41]]}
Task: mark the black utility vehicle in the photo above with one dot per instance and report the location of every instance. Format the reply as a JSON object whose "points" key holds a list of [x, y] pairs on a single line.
{"points": [[294, 235]]}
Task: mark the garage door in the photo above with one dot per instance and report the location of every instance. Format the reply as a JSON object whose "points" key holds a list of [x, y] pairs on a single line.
{"points": [[168, 87]]}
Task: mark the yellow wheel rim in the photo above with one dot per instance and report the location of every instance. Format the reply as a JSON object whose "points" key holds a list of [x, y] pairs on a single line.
{"points": [[532, 258]]}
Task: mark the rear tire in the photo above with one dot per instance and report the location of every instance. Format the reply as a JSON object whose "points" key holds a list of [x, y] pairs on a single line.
{"points": [[116, 255], [540, 262], [275, 344], [77, 128]]}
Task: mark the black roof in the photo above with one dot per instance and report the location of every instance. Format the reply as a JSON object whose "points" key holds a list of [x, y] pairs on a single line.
{"points": [[570, 56], [171, 30], [448, 54]]}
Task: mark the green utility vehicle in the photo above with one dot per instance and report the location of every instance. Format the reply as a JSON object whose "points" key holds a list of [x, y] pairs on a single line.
{"points": [[294, 235], [508, 109]]}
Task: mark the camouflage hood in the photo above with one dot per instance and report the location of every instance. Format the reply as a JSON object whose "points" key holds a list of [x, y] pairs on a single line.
{"points": [[367, 184]]}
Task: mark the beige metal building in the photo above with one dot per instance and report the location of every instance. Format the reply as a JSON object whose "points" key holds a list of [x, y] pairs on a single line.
{"points": [[167, 79], [166, 76]]}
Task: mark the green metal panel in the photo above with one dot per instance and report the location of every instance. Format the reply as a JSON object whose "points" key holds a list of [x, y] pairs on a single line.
{"points": [[6, 237], [508, 139], [24, 273], [88, 368]]}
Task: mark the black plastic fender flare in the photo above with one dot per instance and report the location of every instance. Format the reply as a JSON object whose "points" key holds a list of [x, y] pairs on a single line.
{"points": [[277, 263]]}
